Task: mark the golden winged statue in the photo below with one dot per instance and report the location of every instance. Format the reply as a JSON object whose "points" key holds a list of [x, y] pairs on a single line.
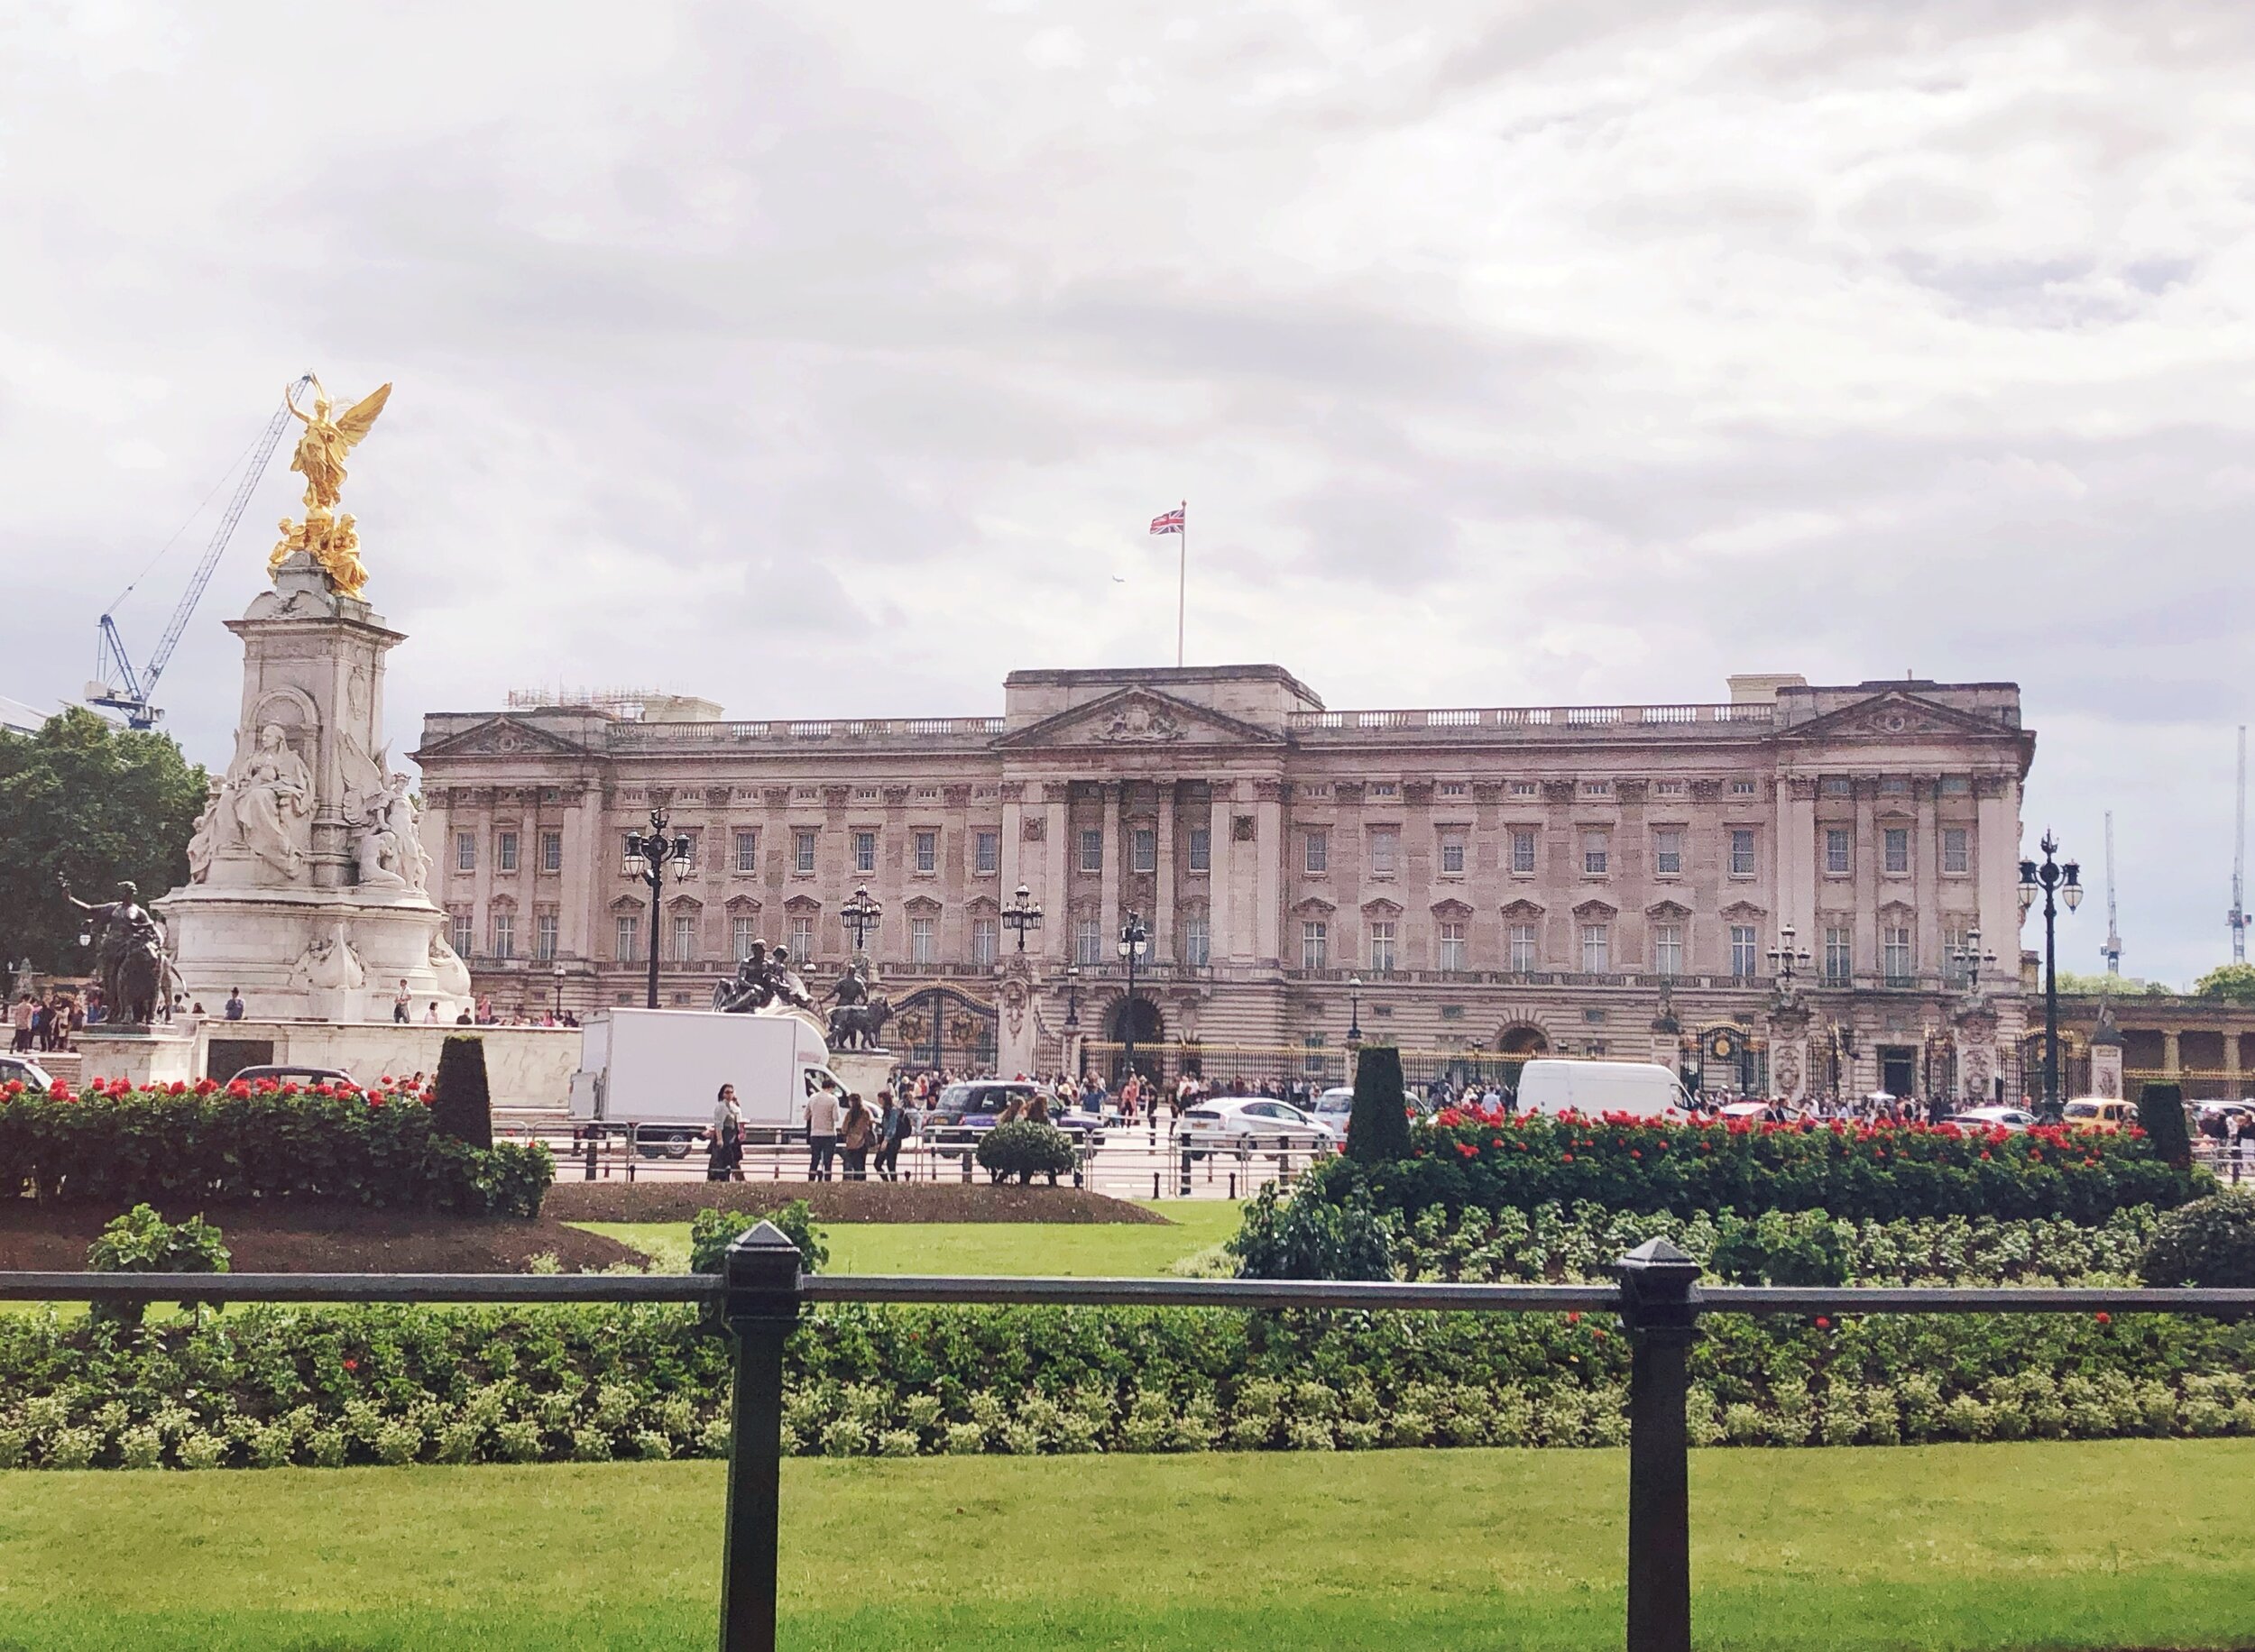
{"points": [[330, 540]]}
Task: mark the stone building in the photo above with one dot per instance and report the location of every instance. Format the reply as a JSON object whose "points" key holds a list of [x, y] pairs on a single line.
{"points": [[1468, 884]]}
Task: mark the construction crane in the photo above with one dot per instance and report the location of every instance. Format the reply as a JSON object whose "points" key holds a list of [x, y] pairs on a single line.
{"points": [[2110, 949], [118, 686], [2237, 916]]}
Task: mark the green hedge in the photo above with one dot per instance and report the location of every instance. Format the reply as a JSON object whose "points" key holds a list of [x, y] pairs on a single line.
{"points": [[1464, 1159], [115, 1145], [268, 1386]]}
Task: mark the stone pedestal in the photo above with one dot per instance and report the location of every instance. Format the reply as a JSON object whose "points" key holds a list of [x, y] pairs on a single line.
{"points": [[2107, 1070], [306, 874], [1018, 1029], [142, 1056], [864, 1072]]}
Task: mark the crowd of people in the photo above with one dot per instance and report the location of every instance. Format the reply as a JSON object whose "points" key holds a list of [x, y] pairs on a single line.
{"points": [[48, 1023]]}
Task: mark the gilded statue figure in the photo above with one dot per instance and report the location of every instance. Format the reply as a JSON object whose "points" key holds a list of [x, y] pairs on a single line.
{"points": [[330, 539]]}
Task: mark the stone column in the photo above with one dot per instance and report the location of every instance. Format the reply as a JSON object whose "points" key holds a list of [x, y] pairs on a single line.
{"points": [[1013, 833], [2172, 1063], [1997, 849], [1268, 811], [1109, 796], [1057, 903], [584, 860], [1222, 921], [1797, 852], [1163, 946], [1926, 866], [1866, 879]]}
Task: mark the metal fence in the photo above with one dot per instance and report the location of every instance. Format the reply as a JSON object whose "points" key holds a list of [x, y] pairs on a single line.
{"points": [[761, 1292]]}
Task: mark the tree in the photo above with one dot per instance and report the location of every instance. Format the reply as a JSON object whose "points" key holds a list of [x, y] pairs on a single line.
{"points": [[2232, 981], [463, 1106], [1377, 1124], [2114, 986], [86, 800]]}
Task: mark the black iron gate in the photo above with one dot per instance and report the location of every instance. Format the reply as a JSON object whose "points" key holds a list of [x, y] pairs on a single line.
{"points": [[941, 1027]]}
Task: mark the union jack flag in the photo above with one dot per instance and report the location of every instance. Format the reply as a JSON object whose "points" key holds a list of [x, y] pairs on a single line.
{"points": [[1171, 523]]}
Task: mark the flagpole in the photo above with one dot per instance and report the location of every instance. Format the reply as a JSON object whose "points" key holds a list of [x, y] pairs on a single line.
{"points": [[1181, 581]]}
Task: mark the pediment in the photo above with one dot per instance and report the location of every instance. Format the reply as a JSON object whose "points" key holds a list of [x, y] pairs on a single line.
{"points": [[1136, 718], [1523, 908], [499, 737], [1897, 714], [1668, 910]]}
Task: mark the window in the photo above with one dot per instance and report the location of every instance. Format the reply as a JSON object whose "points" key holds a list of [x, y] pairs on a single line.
{"points": [[685, 938], [1596, 788], [1381, 946], [923, 942], [1596, 855], [1957, 786], [1669, 788], [802, 850], [1668, 949], [986, 941], [627, 942], [504, 934], [1315, 944], [1314, 1061], [1743, 951], [1386, 851], [1197, 940], [1837, 864], [1453, 947], [928, 846], [1838, 963], [802, 938], [865, 851], [544, 935], [747, 848], [1896, 843], [1088, 942], [741, 932], [1453, 852], [1667, 853], [1384, 788], [466, 851], [1200, 849], [1836, 785], [1953, 945], [1956, 856], [1145, 847], [1519, 939], [1316, 853], [1452, 788], [1092, 851], [1597, 949], [1741, 851], [1896, 959], [1895, 786], [987, 852], [465, 941], [1745, 788], [1523, 788], [505, 851], [1523, 851], [551, 851]]}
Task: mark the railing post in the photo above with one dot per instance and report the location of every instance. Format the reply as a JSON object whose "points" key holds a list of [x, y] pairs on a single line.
{"points": [[760, 1305], [1660, 1306]]}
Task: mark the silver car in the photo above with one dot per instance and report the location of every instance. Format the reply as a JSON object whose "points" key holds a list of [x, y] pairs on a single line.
{"points": [[2013, 1121], [1247, 1124]]}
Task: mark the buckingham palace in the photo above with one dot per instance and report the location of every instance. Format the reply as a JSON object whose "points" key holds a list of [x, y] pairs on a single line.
{"points": [[1795, 889]]}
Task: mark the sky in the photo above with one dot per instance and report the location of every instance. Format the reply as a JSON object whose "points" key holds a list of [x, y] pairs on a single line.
{"points": [[833, 359]]}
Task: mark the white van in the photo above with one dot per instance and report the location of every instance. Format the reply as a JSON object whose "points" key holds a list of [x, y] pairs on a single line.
{"points": [[1641, 1088], [659, 1070]]}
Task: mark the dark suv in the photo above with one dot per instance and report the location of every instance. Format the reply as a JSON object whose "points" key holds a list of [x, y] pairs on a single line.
{"points": [[966, 1112]]}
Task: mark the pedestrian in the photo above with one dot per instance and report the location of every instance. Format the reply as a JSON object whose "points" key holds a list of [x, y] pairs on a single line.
{"points": [[895, 1125], [20, 1015], [822, 1132], [234, 1011], [2244, 1144], [431, 1016], [857, 1132], [403, 1004], [726, 1138]]}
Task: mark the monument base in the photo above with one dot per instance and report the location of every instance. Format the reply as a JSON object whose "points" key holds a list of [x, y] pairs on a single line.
{"points": [[313, 954], [142, 1056], [864, 1072]]}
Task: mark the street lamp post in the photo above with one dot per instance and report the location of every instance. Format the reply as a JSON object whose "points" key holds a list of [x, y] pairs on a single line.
{"points": [[648, 855], [1787, 961], [1354, 1012], [2056, 881], [862, 914], [1135, 943], [558, 973], [1023, 913]]}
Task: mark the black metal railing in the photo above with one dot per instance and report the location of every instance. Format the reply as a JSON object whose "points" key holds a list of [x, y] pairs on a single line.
{"points": [[761, 1292]]}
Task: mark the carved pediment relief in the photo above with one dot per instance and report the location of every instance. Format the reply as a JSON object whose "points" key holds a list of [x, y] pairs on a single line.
{"points": [[1744, 910], [1523, 910], [1667, 912], [1381, 908], [499, 737], [1314, 906], [802, 903], [1899, 714], [743, 906], [1134, 717], [1592, 910], [1452, 910]]}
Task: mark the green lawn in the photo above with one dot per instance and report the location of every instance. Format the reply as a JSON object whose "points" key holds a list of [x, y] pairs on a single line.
{"points": [[2112, 1544], [1081, 1250]]}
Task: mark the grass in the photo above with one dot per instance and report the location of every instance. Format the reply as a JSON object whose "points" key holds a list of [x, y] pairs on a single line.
{"points": [[1944, 1548], [1078, 1249]]}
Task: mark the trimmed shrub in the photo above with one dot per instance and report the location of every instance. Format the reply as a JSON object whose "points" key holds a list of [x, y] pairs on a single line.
{"points": [[461, 1105], [1025, 1148], [2161, 1115], [1312, 1239], [2210, 1241], [143, 1241], [1377, 1124], [714, 1231]]}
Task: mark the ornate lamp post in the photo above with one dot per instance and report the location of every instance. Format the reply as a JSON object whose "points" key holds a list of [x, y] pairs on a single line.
{"points": [[558, 973], [648, 855], [1787, 962], [1354, 1012], [2056, 881], [862, 914], [1023, 913], [1135, 943]]}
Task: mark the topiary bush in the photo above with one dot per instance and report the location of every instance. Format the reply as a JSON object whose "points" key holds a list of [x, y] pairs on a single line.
{"points": [[1312, 1239], [1025, 1149], [2161, 1115], [143, 1241], [1377, 1125], [714, 1231], [2210, 1241], [461, 1106]]}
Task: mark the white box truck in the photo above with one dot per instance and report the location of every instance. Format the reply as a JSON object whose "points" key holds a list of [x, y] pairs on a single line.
{"points": [[660, 1071], [1642, 1089]]}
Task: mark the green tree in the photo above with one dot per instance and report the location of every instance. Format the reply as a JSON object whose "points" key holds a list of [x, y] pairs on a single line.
{"points": [[86, 800], [2232, 981], [2114, 986]]}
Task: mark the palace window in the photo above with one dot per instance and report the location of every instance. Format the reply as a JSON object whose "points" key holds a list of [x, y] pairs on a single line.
{"points": [[685, 938], [1957, 786], [551, 851], [505, 851], [1896, 844], [802, 938], [1453, 947], [1741, 851], [1316, 853], [1315, 944], [1896, 960], [1596, 788], [1452, 788], [1838, 786], [1382, 947], [1837, 852], [1596, 854], [865, 851], [1668, 949], [1523, 851], [802, 850], [627, 939], [465, 936], [1197, 940], [1200, 849], [1669, 788], [923, 942], [741, 932], [466, 851], [1314, 1061], [1745, 788], [1523, 788], [1667, 853], [1839, 962], [1384, 788], [504, 934], [1088, 942], [927, 851], [1519, 939], [987, 852], [986, 941], [1092, 851], [1146, 848], [747, 848], [544, 935], [1597, 949], [1386, 851], [1956, 853], [1743, 950], [1453, 852]]}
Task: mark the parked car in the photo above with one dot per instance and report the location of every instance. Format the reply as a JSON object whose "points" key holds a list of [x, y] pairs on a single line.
{"points": [[1741, 1109], [305, 1078], [1331, 1108], [2012, 1119], [1247, 1124], [25, 1072], [2101, 1113], [965, 1112]]}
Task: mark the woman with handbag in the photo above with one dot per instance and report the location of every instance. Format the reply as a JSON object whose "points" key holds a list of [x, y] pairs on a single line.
{"points": [[856, 1131], [726, 1138]]}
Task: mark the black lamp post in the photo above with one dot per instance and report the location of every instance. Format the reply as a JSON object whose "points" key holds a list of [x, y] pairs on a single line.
{"points": [[1354, 1012], [1134, 941], [1073, 1008], [862, 914], [1971, 960], [2056, 881], [1787, 961], [648, 855], [1023, 913], [558, 973]]}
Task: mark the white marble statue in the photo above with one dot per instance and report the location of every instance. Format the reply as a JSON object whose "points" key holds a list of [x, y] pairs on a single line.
{"points": [[262, 804], [400, 819], [330, 963], [446, 963]]}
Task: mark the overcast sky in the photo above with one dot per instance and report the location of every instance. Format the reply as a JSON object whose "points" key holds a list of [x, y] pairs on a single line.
{"points": [[834, 359]]}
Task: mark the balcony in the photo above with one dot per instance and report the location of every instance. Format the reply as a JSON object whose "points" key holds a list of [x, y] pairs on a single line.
{"points": [[848, 732], [1561, 722]]}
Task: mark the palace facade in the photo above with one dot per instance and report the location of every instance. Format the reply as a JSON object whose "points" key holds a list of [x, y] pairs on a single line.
{"points": [[1472, 883]]}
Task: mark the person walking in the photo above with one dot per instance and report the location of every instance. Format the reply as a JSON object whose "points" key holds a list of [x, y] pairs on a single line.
{"points": [[726, 1138], [822, 1133], [2243, 1145], [856, 1134], [234, 1010], [894, 1126], [20, 1016], [403, 1005]]}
